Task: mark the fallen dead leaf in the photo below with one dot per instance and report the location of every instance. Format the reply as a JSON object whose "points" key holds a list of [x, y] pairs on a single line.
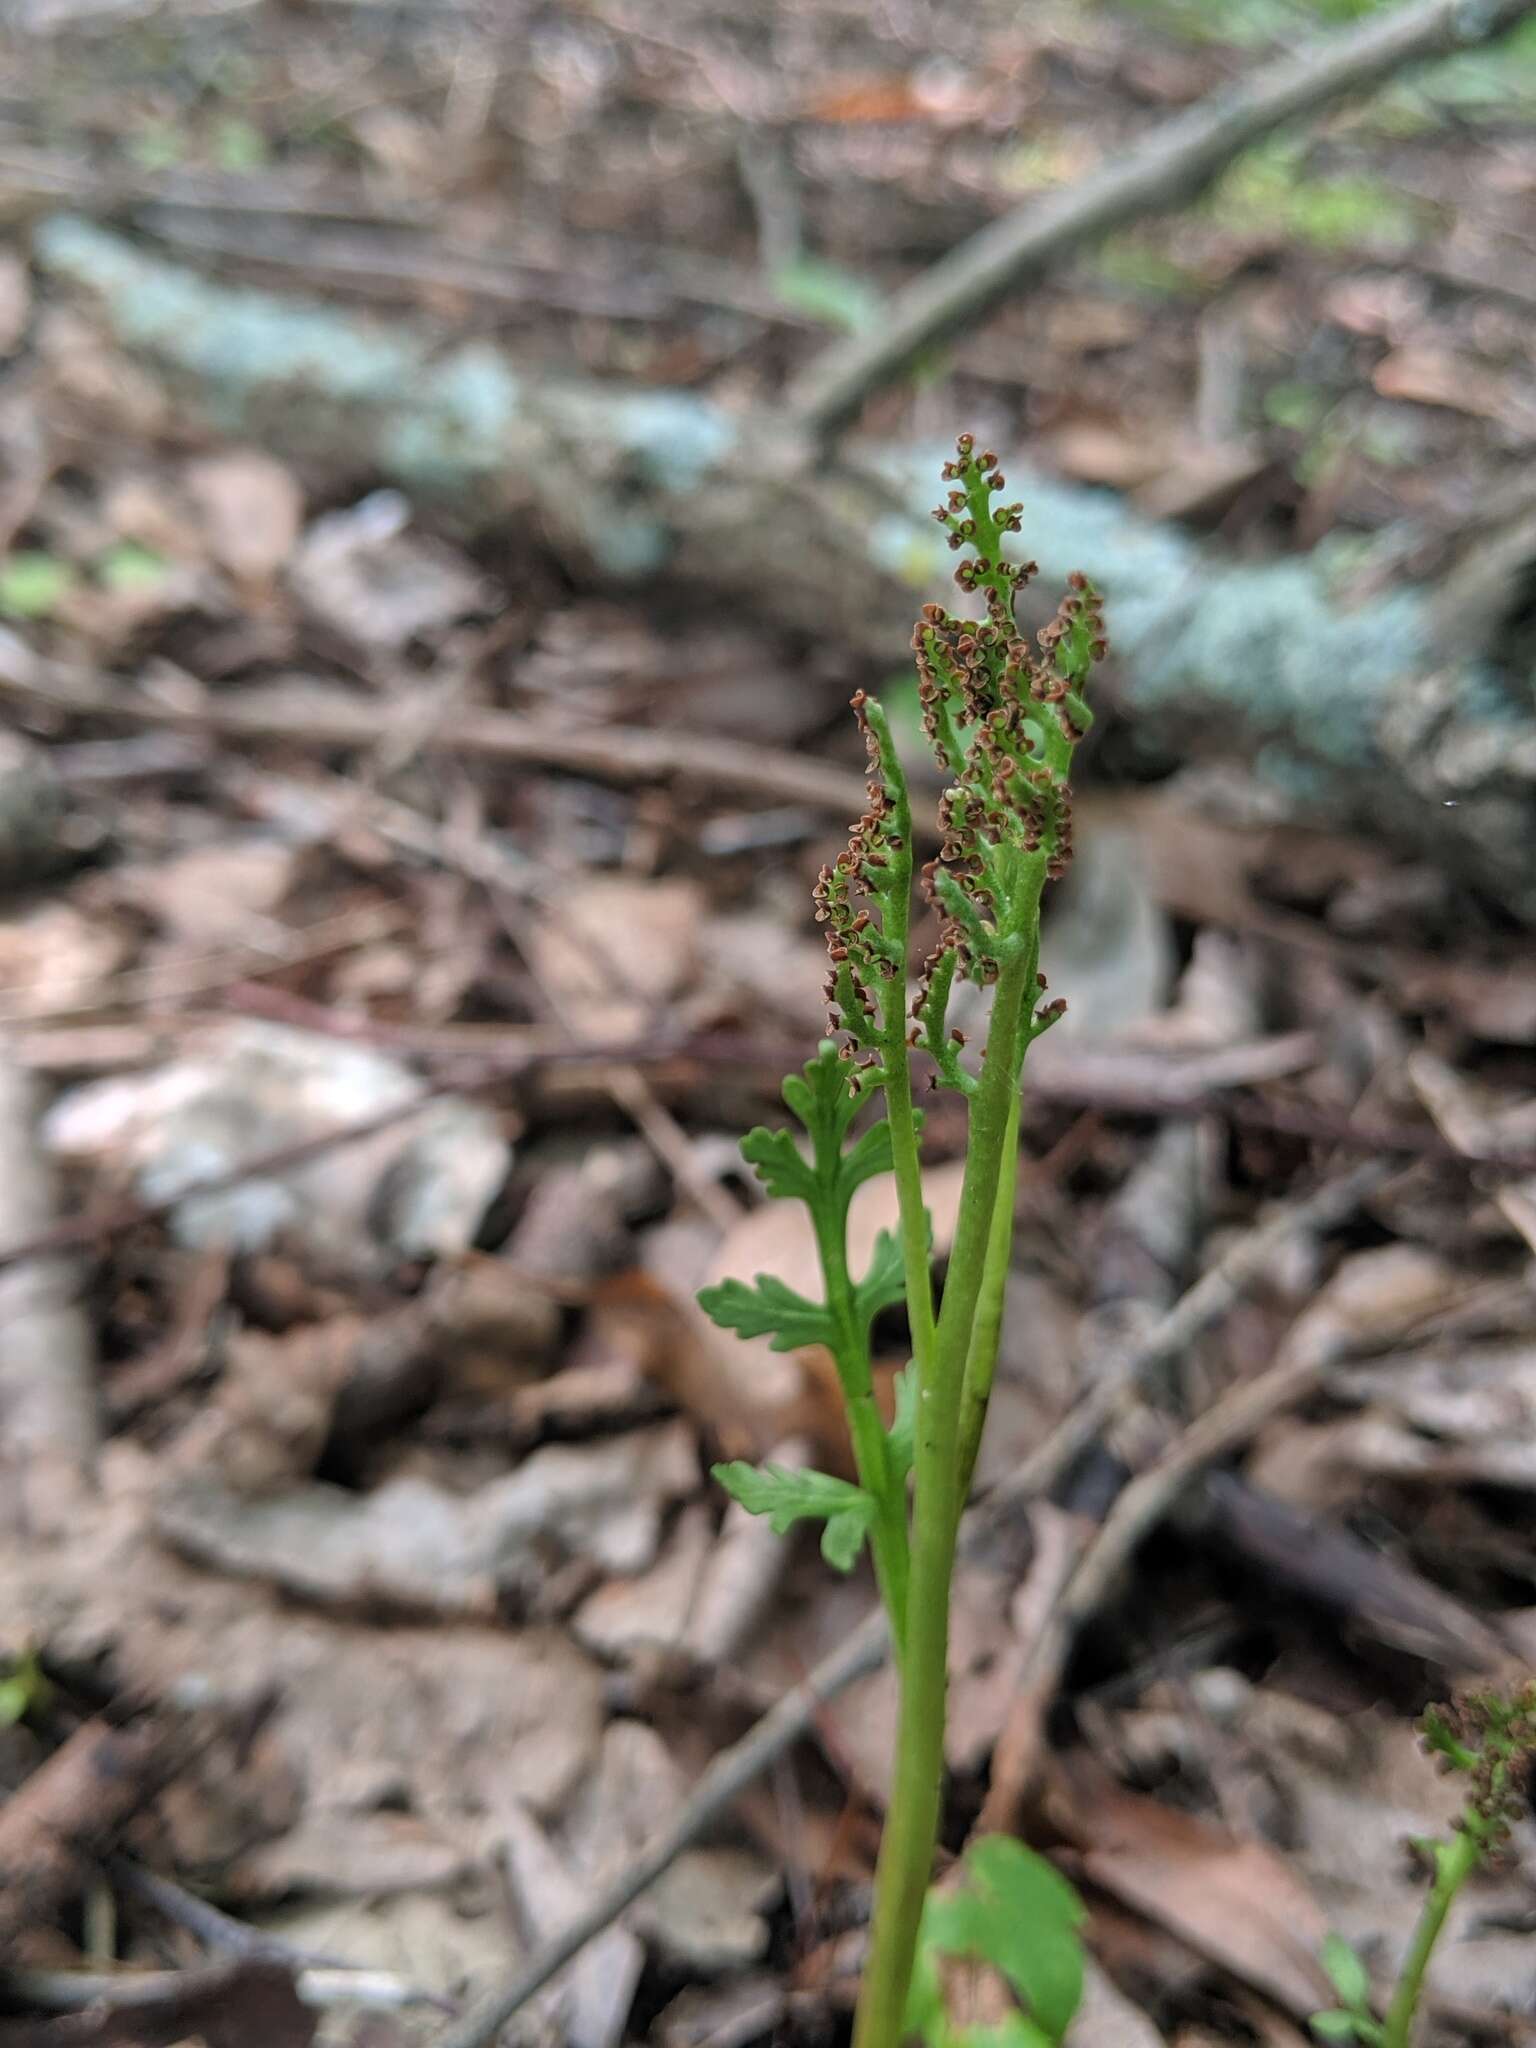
{"points": [[208, 896], [744, 1403], [776, 1238], [1422, 374], [705, 1912], [411, 1544], [252, 507], [1480, 1121], [745, 2008], [619, 950], [1202, 479], [649, 1613], [741, 1386], [271, 1415], [1388, 304], [1496, 1002], [361, 573], [142, 507], [424, 1937], [899, 96], [763, 961], [435, 1722], [1107, 452], [1236, 1902], [416, 1189], [53, 959]]}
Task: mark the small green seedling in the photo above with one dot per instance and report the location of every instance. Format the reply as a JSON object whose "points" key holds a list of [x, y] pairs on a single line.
{"points": [[1490, 1739], [1352, 2018], [1003, 717], [24, 1690]]}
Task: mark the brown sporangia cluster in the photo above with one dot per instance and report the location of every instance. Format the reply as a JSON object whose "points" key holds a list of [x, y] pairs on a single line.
{"points": [[1489, 1738], [1003, 718], [875, 861]]}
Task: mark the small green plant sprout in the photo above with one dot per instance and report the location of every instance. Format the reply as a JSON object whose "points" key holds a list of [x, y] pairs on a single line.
{"points": [[1003, 716], [24, 1690], [1017, 1913], [1490, 1739]]}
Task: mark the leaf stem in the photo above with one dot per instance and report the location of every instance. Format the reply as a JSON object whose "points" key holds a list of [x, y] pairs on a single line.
{"points": [[906, 1849], [1455, 1862], [871, 1446], [896, 1072], [986, 1331]]}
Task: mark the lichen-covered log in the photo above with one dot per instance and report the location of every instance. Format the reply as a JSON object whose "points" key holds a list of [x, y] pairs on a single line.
{"points": [[1384, 714]]}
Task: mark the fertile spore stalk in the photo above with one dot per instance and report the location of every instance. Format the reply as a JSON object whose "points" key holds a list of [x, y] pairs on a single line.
{"points": [[1003, 719], [1488, 1738]]}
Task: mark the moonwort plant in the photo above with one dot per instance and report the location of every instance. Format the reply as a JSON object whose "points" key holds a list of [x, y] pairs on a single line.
{"points": [[1003, 718], [1490, 1739]]}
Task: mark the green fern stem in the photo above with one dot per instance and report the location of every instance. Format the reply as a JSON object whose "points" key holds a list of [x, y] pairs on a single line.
{"points": [[912, 1822], [1455, 1862], [871, 1446], [986, 1332], [896, 1072]]}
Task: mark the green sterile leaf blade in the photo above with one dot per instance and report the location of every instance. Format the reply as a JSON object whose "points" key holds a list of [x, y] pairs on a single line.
{"points": [[867, 1158], [1019, 1914], [1020, 1878], [885, 1283], [925, 1994], [1335, 2025], [820, 1098], [24, 1690], [779, 1163], [1013, 2032], [33, 583], [127, 567], [787, 1496], [1347, 1974], [767, 1308], [903, 1430], [843, 1537]]}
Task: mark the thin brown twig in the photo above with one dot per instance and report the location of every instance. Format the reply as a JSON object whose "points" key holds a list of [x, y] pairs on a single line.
{"points": [[1163, 169], [363, 925], [326, 718]]}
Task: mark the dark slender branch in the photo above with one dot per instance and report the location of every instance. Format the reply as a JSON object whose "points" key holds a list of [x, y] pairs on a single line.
{"points": [[1165, 169], [323, 718]]}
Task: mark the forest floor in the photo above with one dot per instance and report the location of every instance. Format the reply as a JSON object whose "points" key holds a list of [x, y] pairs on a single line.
{"points": [[370, 1110]]}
